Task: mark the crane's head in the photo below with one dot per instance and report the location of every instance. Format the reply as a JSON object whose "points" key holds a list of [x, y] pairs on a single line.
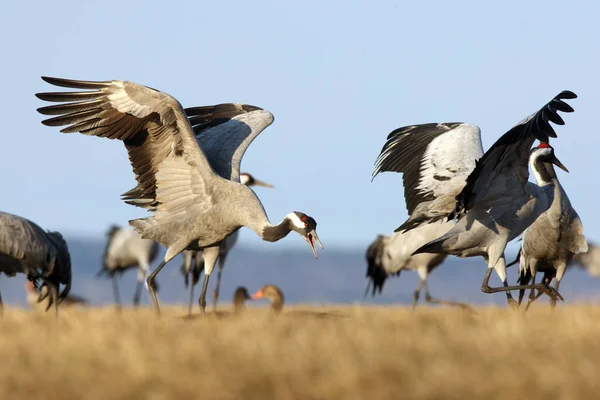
{"points": [[249, 180], [307, 228], [545, 153]]}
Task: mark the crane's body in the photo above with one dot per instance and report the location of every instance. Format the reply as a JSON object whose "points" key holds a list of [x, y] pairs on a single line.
{"points": [[193, 262], [552, 241], [126, 249], [40, 255]]}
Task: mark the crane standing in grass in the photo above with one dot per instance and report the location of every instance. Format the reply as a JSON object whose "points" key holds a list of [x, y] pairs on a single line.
{"points": [[42, 256], [390, 255], [187, 170], [125, 249], [193, 262]]}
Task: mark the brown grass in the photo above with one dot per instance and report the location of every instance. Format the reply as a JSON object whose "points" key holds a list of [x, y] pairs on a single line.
{"points": [[356, 353]]}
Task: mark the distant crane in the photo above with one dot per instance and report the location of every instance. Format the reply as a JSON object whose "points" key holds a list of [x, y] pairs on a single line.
{"points": [[125, 249], [492, 200], [390, 255], [553, 239], [26, 248], [193, 264], [188, 172]]}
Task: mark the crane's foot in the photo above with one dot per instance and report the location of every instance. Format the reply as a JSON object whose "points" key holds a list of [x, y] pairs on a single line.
{"points": [[513, 303]]}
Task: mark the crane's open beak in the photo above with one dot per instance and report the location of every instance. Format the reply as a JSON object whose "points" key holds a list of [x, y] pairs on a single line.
{"points": [[257, 295], [311, 238], [261, 183], [560, 165]]}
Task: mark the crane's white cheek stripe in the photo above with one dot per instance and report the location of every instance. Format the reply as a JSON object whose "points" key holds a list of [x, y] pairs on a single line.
{"points": [[296, 220]]}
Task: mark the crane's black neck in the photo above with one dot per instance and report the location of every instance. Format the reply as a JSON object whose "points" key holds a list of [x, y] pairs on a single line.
{"points": [[544, 172]]}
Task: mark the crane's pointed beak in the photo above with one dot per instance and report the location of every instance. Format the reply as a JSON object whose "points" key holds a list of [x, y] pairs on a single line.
{"points": [[311, 238], [257, 295], [560, 165], [263, 184]]}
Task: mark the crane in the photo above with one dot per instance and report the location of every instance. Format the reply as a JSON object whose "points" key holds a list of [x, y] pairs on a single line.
{"points": [[486, 201], [126, 249], [187, 171]]}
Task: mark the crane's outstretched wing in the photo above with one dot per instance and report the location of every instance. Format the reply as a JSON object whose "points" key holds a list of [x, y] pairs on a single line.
{"points": [[224, 132], [505, 165], [170, 168], [435, 160]]}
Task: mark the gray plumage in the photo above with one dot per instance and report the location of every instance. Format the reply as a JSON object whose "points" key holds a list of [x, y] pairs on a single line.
{"points": [[390, 255], [187, 176], [126, 249], [550, 243], [497, 203], [193, 262], [40, 255]]}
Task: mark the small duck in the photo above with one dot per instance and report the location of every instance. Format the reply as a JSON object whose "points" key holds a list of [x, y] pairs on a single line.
{"points": [[274, 294]]}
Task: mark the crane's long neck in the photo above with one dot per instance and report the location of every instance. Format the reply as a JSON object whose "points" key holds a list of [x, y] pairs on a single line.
{"points": [[272, 233], [268, 231], [544, 172]]}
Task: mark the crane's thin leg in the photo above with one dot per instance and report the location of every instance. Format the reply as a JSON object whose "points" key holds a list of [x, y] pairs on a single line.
{"points": [[222, 259], [54, 297], [191, 300], [1, 307], [115, 286], [485, 287], [430, 299], [142, 272], [532, 295], [416, 295], [210, 259], [152, 287], [553, 301]]}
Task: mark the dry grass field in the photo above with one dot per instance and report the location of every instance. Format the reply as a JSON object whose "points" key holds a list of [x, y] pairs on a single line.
{"points": [[305, 353]]}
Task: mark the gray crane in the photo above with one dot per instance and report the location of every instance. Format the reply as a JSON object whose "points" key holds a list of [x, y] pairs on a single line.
{"points": [[389, 255], [193, 264], [125, 248], [40, 255], [553, 239], [495, 203], [188, 172]]}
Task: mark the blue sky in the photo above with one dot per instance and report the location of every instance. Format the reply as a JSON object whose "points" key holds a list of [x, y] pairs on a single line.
{"points": [[337, 75]]}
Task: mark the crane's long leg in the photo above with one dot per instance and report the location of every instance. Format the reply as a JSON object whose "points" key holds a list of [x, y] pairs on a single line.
{"points": [[142, 272], [191, 299], [210, 259], [430, 299], [115, 286], [532, 296], [416, 294], [485, 287], [222, 259], [54, 297], [1, 307], [152, 287]]}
